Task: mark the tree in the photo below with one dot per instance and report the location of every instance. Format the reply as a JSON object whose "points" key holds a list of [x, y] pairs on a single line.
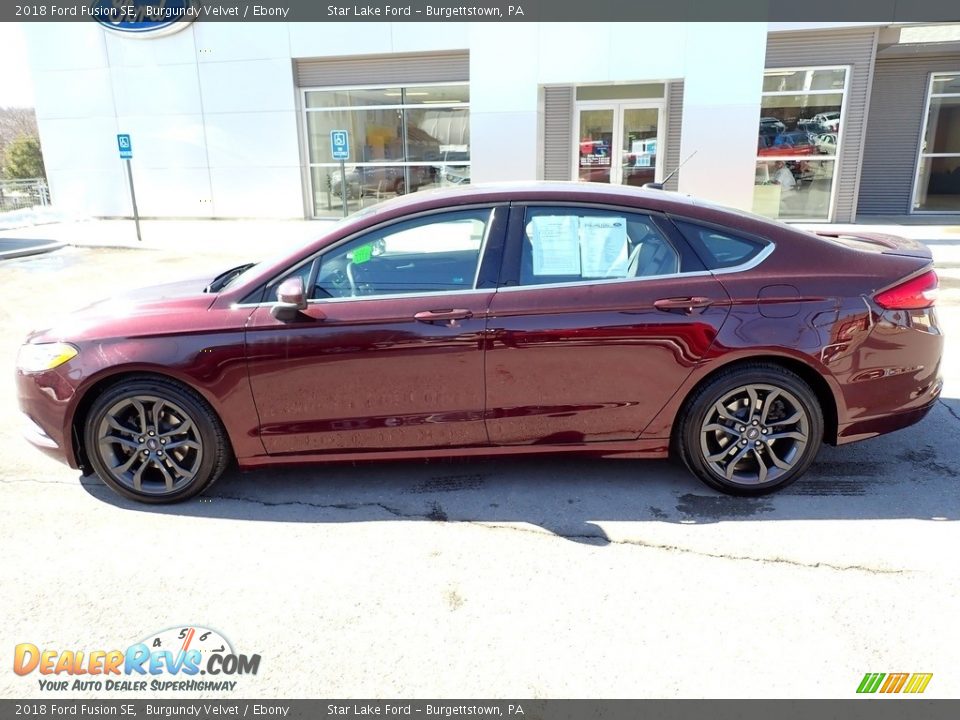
{"points": [[15, 122], [24, 158]]}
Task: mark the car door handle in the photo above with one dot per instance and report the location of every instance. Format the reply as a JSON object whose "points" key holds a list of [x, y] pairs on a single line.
{"points": [[687, 304], [429, 316]]}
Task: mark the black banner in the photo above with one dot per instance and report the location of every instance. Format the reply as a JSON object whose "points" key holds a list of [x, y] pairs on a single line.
{"points": [[128, 13], [863, 709]]}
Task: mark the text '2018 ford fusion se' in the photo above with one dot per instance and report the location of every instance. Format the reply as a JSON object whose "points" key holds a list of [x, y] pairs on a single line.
{"points": [[539, 318]]}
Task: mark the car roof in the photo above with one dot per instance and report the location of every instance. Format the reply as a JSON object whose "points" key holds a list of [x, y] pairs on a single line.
{"points": [[546, 190]]}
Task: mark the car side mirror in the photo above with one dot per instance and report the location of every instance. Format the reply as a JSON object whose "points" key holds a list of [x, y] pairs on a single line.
{"points": [[291, 299]]}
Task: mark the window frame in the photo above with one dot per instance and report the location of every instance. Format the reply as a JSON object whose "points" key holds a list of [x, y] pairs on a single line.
{"points": [[768, 245], [923, 133]]}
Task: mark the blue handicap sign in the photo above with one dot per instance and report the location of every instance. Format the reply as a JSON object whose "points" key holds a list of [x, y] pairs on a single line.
{"points": [[126, 149], [340, 144]]}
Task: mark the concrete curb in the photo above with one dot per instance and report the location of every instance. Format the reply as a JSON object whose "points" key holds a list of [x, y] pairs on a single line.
{"points": [[32, 250]]}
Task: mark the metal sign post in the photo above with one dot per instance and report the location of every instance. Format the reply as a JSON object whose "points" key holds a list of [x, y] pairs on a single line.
{"points": [[126, 153], [340, 149]]}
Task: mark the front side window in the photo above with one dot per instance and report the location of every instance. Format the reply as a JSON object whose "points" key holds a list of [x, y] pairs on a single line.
{"points": [[938, 172], [797, 141], [567, 245], [432, 254]]}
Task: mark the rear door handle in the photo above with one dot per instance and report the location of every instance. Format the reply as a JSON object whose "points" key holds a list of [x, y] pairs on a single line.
{"points": [[687, 304], [429, 316]]}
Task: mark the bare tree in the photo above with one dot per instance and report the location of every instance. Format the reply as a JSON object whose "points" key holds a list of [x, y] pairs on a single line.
{"points": [[15, 122]]}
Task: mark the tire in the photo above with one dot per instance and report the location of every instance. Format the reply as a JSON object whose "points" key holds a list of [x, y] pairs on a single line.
{"points": [[740, 451], [155, 441]]}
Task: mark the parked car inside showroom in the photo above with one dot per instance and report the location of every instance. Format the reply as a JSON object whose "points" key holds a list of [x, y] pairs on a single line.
{"points": [[501, 320]]}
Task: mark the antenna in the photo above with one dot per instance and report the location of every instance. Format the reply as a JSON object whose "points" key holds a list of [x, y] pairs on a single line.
{"points": [[659, 185]]}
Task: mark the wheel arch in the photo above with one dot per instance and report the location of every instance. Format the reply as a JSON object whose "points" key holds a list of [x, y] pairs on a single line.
{"points": [[825, 393], [90, 394]]}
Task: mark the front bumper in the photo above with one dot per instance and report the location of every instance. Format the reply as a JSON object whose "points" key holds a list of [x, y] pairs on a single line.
{"points": [[45, 401]]}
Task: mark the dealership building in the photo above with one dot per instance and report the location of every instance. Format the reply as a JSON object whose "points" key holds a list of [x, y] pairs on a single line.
{"points": [[801, 121]]}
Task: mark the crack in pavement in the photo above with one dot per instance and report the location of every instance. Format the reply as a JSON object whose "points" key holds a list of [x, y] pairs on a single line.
{"points": [[11, 481], [547, 532], [949, 409], [321, 506]]}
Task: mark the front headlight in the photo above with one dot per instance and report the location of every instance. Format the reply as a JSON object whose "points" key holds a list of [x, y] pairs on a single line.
{"points": [[34, 358]]}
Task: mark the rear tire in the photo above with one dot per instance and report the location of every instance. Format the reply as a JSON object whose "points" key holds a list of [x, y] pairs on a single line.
{"points": [[155, 441], [751, 430]]}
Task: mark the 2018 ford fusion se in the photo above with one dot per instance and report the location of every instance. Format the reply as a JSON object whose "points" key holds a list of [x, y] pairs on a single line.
{"points": [[501, 320]]}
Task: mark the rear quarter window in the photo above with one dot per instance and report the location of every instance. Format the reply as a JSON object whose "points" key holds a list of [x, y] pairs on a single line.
{"points": [[720, 249]]}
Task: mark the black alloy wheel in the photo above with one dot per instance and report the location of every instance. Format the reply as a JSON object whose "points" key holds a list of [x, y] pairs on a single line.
{"points": [[751, 430], [155, 441]]}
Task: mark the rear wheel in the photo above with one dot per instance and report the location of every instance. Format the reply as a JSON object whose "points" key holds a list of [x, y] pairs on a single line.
{"points": [[155, 441], [751, 430]]}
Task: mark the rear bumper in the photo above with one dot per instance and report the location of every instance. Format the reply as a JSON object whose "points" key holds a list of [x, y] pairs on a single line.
{"points": [[883, 424]]}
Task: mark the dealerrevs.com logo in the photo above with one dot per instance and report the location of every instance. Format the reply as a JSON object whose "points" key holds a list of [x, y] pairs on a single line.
{"points": [[174, 659]]}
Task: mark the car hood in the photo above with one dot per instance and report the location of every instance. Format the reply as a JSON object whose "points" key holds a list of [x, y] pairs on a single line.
{"points": [[142, 311]]}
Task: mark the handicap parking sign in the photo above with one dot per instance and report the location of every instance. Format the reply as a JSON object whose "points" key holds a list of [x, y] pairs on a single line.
{"points": [[126, 149], [340, 144]]}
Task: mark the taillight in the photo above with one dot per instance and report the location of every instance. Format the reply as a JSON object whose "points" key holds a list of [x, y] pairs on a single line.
{"points": [[920, 292]]}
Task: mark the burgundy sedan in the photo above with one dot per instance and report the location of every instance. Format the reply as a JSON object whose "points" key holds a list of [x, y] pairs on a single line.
{"points": [[500, 320]]}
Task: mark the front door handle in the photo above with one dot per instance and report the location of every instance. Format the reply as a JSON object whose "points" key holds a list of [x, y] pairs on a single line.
{"points": [[448, 316], [687, 304]]}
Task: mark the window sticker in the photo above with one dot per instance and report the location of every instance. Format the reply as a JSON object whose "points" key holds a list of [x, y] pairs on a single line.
{"points": [[556, 245], [362, 254], [603, 247]]}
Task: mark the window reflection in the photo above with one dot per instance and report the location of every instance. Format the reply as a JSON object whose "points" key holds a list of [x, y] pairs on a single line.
{"points": [[798, 137]]}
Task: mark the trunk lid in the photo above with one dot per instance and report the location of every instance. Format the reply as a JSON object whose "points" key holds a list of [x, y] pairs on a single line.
{"points": [[879, 243]]}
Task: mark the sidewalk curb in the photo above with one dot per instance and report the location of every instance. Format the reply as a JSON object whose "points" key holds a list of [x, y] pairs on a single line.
{"points": [[35, 250]]}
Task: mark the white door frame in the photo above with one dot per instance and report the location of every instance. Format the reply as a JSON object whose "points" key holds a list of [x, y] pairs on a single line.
{"points": [[616, 151]]}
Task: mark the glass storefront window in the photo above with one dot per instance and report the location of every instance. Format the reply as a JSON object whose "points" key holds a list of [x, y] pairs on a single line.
{"points": [[938, 171], [361, 97], [402, 139], [621, 92], [797, 140], [803, 80]]}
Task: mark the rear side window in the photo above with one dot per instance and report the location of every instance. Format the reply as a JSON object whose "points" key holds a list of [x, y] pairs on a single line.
{"points": [[720, 249], [569, 245]]}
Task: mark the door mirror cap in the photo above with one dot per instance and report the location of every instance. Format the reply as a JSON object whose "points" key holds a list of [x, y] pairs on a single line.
{"points": [[291, 299]]}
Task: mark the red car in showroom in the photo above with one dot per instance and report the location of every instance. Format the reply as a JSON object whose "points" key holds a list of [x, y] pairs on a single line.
{"points": [[501, 320]]}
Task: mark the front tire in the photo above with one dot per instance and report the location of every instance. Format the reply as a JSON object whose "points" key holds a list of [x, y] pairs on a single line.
{"points": [[751, 430], [155, 441]]}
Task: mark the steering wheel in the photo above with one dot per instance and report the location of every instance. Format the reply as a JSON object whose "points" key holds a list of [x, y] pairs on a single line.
{"points": [[353, 283]]}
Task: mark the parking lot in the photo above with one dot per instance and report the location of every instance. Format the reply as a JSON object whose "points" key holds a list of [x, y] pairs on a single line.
{"points": [[508, 578]]}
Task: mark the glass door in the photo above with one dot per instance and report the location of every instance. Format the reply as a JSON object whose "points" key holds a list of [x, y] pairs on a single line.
{"points": [[595, 154], [617, 143]]}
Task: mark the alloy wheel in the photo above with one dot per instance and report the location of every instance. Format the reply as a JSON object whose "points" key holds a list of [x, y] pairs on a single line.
{"points": [[754, 434], [150, 445]]}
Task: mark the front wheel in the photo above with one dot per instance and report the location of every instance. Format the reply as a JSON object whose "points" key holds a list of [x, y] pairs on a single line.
{"points": [[751, 430], [155, 441]]}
